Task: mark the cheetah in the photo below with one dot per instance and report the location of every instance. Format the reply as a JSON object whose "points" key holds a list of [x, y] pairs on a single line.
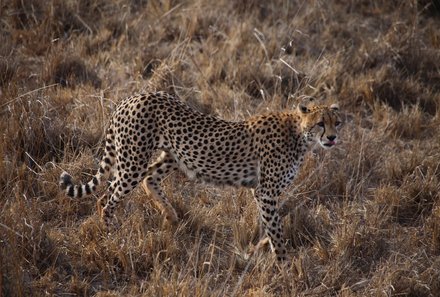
{"points": [[263, 153]]}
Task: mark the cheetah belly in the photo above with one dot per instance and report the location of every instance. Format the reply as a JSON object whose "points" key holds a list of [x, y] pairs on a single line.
{"points": [[189, 172], [227, 175], [230, 178]]}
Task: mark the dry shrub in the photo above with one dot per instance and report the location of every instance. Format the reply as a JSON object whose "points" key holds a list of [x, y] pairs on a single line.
{"points": [[29, 134], [433, 228], [415, 61], [27, 14], [414, 199], [72, 71], [38, 23], [149, 68], [61, 16], [400, 93], [430, 7], [107, 37], [7, 71], [8, 62]]}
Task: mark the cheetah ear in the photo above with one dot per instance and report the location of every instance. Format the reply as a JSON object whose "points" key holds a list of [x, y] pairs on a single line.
{"points": [[303, 109], [334, 106]]}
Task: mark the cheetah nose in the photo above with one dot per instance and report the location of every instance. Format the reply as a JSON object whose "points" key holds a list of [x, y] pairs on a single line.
{"points": [[331, 137]]}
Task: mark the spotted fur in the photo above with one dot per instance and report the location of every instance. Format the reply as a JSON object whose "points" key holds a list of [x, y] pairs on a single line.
{"points": [[263, 153]]}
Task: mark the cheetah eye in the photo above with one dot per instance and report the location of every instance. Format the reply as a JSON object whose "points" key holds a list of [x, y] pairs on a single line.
{"points": [[338, 123], [321, 124]]}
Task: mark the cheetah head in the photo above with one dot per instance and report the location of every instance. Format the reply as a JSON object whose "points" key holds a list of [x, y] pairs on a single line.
{"points": [[320, 123]]}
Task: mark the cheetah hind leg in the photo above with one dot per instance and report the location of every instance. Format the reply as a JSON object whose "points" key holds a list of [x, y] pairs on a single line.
{"points": [[156, 172], [105, 213], [108, 223], [165, 207], [102, 201], [100, 204], [260, 245], [122, 185]]}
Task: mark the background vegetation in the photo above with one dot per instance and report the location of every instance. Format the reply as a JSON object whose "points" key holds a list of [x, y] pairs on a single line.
{"points": [[361, 220]]}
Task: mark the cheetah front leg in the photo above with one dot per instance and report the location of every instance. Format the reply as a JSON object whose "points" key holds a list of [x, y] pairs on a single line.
{"points": [[156, 172], [267, 202]]}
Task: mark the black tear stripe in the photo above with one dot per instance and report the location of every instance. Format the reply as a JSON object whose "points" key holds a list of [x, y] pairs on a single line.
{"points": [[323, 133]]}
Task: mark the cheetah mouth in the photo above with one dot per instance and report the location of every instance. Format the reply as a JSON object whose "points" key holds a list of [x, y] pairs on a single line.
{"points": [[329, 144]]}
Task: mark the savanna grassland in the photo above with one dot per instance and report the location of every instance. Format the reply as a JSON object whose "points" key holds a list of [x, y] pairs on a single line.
{"points": [[361, 220]]}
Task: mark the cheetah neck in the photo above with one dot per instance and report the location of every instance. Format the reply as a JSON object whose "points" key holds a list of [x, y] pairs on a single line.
{"points": [[303, 139]]}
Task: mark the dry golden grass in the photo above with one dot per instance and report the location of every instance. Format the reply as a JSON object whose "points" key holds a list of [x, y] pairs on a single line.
{"points": [[361, 220]]}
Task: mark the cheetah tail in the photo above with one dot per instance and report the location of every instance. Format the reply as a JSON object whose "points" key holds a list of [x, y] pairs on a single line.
{"points": [[78, 190], [81, 190]]}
